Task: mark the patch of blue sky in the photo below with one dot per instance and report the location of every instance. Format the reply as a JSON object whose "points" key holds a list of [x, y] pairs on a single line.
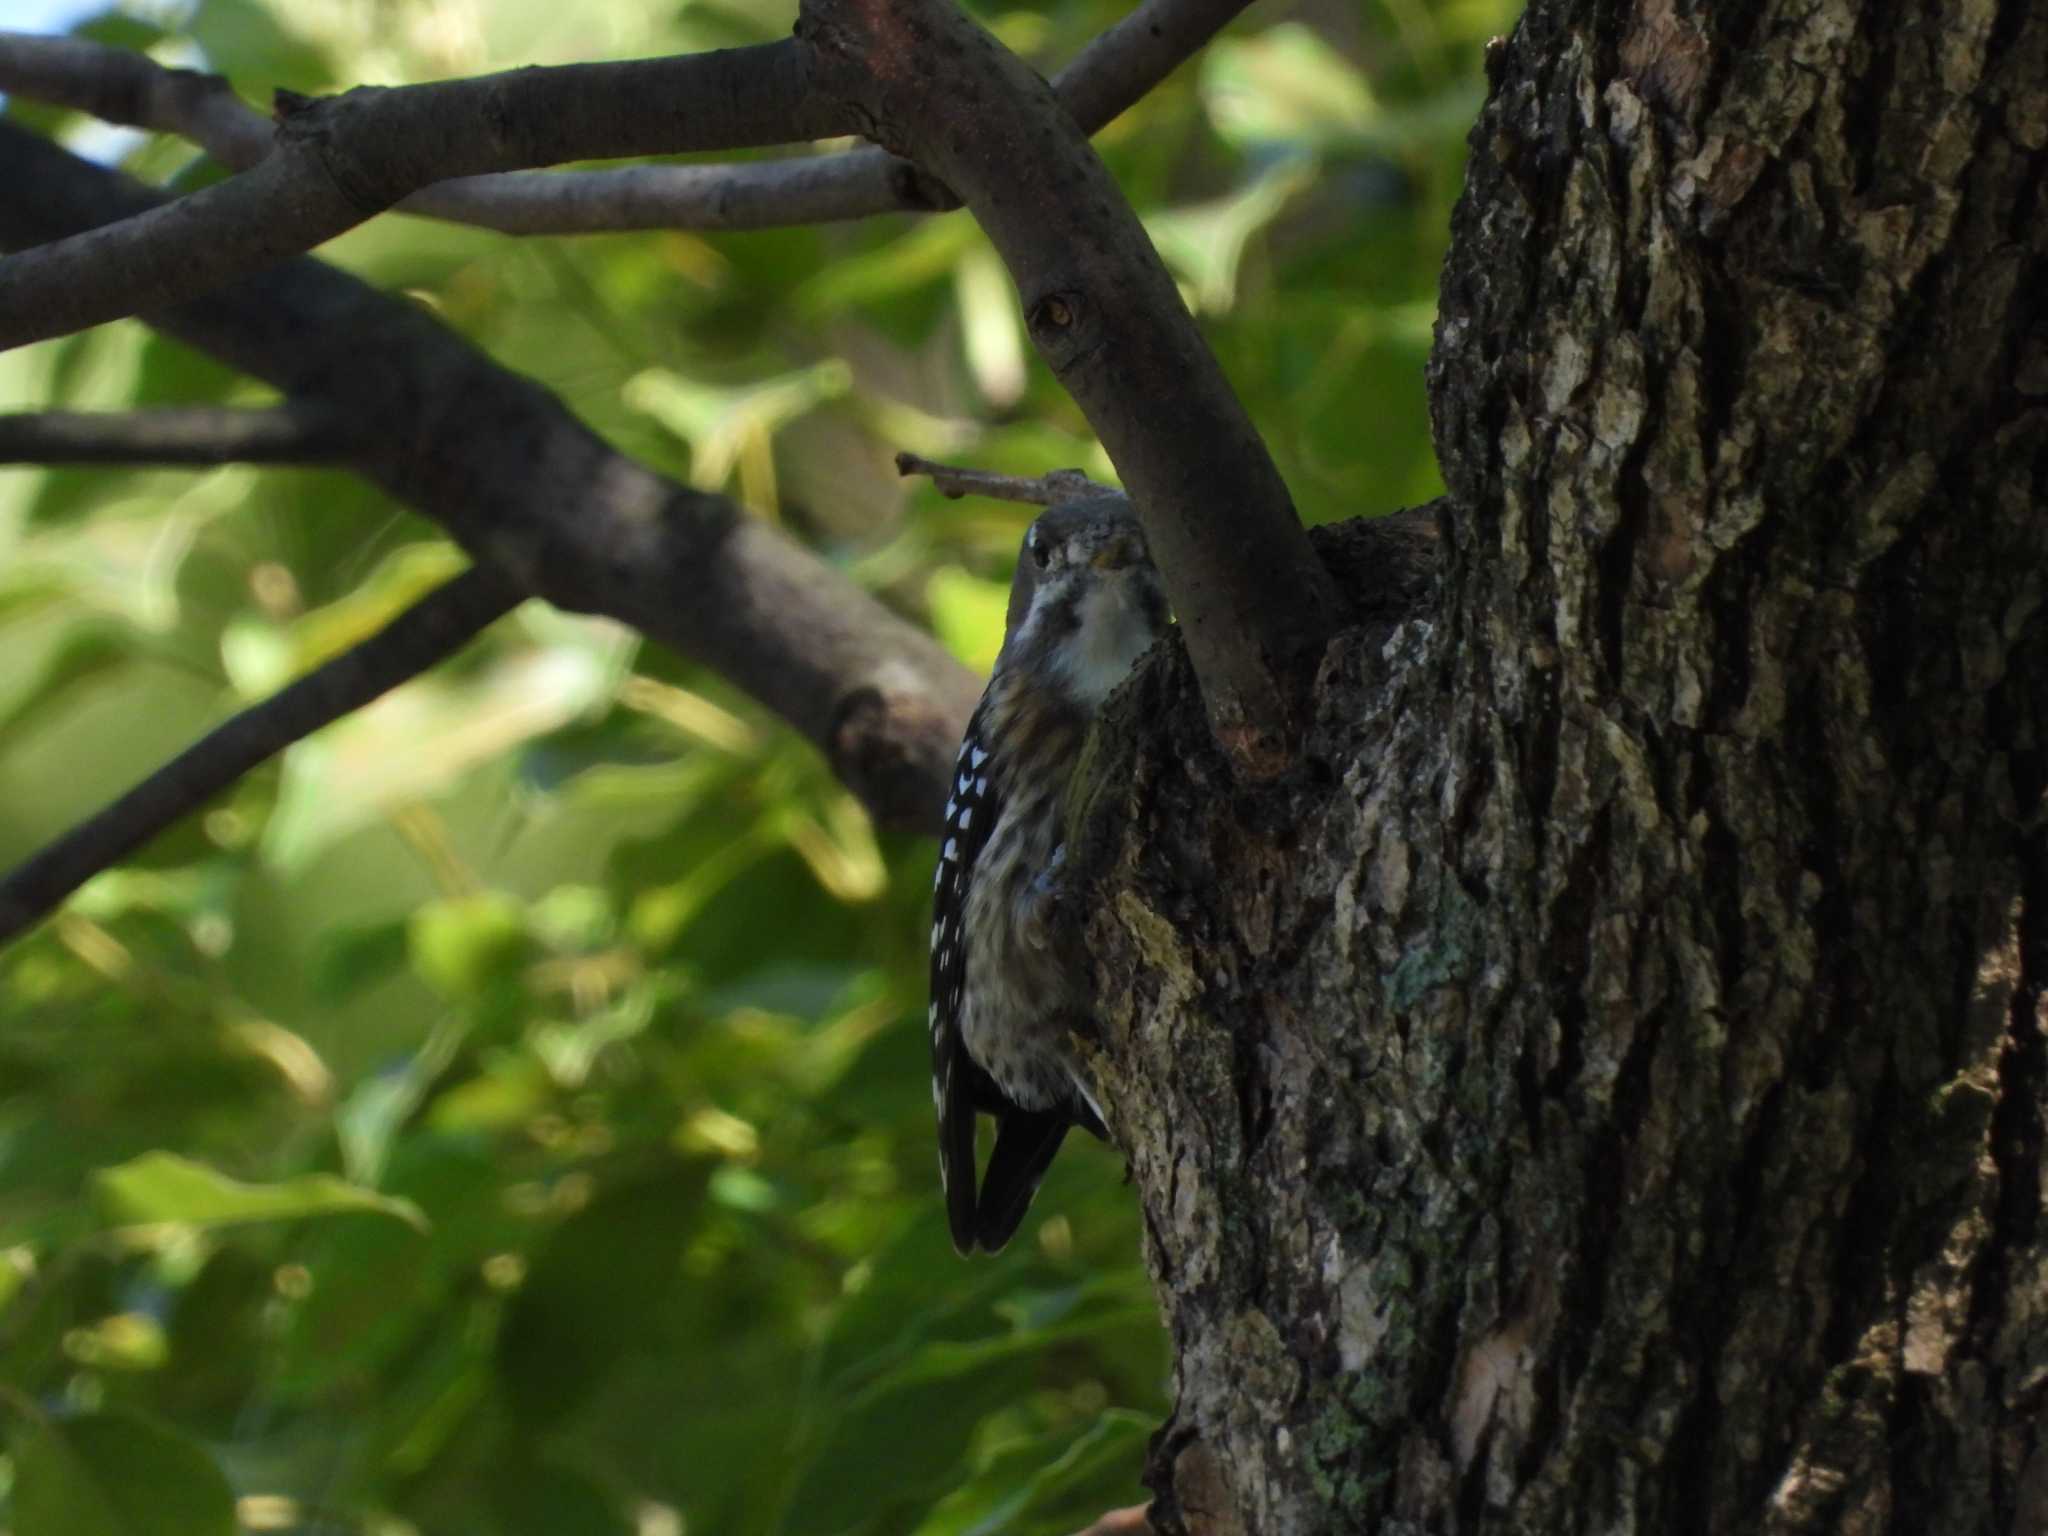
{"points": [[48, 15]]}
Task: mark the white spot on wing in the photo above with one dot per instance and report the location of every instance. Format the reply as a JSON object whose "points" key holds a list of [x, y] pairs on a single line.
{"points": [[976, 758], [952, 848], [967, 818], [1082, 1089]]}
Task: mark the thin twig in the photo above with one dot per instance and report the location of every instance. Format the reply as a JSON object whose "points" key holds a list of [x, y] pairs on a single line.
{"points": [[435, 627], [198, 435], [117, 85], [1048, 489], [1114, 71], [1129, 1521]]}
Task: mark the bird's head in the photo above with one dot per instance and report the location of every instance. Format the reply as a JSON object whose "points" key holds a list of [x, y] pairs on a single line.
{"points": [[1087, 601]]}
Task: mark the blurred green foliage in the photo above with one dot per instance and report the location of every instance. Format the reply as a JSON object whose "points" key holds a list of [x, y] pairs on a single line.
{"points": [[508, 1113]]}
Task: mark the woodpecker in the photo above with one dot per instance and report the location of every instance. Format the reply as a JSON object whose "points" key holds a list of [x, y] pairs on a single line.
{"points": [[1085, 605]]}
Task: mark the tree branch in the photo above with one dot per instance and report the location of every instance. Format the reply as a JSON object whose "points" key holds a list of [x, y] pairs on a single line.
{"points": [[433, 628], [288, 434], [1055, 485], [1254, 604], [1106, 77], [132, 89], [534, 494], [338, 160]]}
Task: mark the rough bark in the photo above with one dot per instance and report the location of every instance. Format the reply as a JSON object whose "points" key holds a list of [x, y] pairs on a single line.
{"points": [[1604, 1090]]}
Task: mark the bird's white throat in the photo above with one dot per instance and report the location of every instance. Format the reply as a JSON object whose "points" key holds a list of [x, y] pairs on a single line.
{"points": [[1115, 628]]}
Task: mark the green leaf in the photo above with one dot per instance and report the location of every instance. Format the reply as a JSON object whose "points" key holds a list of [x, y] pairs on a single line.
{"points": [[595, 1291], [923, 255], [91, 651], [732, 430], [366, 1122], [533, 1498], [1285, 85], [900, 1442], [461, 947], [163, 1187], [967, 612], [111, 1474], [1050, 1484], [350, 957], [991, 329], [417, 740], [121, 1341], [910, 1372], [246, 41], [1205, 244]]}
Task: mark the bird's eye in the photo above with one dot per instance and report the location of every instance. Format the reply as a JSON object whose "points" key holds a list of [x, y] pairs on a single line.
{"points": [[1040, 550]]}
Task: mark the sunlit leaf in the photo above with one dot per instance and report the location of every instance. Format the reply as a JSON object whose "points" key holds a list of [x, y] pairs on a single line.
{"points": [[163, 1187], [461, 947], [991, 327], [840, 847], [418, 740], [731, 429], [261, 656], [1285, 85], [126, 1341], [509, 1094], [16, 1265], [1206, 244], [967, 614]]}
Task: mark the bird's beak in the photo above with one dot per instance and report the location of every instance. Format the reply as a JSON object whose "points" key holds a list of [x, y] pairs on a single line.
{"points": [[1117, 555]]}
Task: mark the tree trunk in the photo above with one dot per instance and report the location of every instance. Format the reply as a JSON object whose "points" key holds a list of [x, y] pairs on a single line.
{"points": [[1604, 1091]]}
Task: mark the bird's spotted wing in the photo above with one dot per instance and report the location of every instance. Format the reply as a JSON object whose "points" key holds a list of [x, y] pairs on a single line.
{"points": [[959, 1085]]}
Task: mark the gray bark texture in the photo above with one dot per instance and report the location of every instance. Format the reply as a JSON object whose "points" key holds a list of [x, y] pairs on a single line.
{"points": [[1603, 1090]]}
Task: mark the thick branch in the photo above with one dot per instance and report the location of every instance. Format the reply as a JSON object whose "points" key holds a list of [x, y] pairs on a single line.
{"points": [[434, 628], [288, 434], [534, 494], [1255, 605], [339, 160], [1111, 73]]}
